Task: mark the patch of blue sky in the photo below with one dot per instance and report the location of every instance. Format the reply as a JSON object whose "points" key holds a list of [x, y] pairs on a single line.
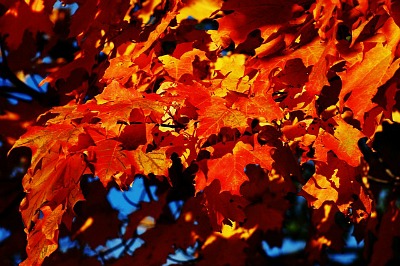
{"points": [[16, 171], [17, 258], [176, 208], [1, 57], [5, 82], [75, 44], [118, 246], [289, 246], [47, 60], [347, 257], [20, 96], [128, 201], [65, 243], [72, 7], [134, 243], [343, 258], [91, 179], [33, 82], [88, 251], [182, 256], [12, 101], [112, 244], [136, 8], [4, 234]]}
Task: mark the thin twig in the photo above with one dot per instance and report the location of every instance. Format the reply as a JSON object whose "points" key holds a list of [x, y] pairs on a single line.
{"points": [[136, 205]]}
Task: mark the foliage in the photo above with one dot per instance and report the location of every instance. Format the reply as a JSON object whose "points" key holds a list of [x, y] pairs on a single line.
{"points": [[230, 108]]}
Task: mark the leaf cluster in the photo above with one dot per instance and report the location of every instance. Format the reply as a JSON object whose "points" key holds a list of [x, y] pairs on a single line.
{"points": [[232, 110]]}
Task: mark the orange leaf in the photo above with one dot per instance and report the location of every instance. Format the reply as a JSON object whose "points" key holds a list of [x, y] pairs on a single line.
{"points": [[229, 169], [111, 162], [317, 78], [121, 69], [343, 142], [363, 79], [217, 115], [259, 106], [267, 15], [43, 239], [54, 182], [335, 181], [42, 139], [154, 162], [176, 67]]}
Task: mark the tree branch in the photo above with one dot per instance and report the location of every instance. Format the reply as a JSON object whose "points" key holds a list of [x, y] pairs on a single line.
{"points": [[147, 188]]}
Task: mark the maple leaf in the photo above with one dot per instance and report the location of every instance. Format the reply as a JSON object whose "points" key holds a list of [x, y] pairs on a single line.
{"points": [[259, 106], [343, 142], [153, 162], [217, 115], [317, 78], [54, 181], [233, 70], [83, 17], [223, 205], [42, 139], [323, 12], [296, 130], [267, 15], [394, 9], [155, 32], [43, 239], [363, 80], [311, 54], [111, 162], [196, 94], [335, 182], [116, 103], [177, 67], [121, 69], [114, 107], [264, 217], [229, 169], [138, 130]]}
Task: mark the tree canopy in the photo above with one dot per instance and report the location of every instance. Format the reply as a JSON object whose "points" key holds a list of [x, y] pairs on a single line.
{"points": [[227, 126]]}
